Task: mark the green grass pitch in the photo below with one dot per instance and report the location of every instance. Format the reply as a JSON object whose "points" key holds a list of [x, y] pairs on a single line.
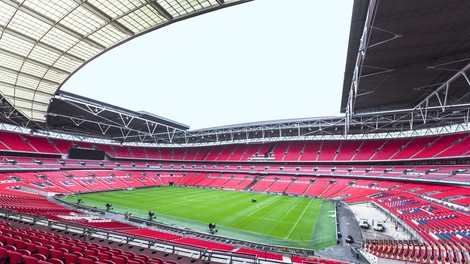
{"points": [[273, 219]]}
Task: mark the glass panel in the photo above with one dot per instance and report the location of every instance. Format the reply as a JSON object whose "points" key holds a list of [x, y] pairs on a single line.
{"points": [[59, 39], [142, 19], [28, 25], [27, 81], [54, 10], [84, 50], [16, 45], [107, 36], [6, 14], [10, 62], [115, 9], [83, 21], [67, 64], [33, 69], [46, 56]]}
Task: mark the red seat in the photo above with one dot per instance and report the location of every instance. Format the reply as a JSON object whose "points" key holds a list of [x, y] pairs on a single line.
{"points": [[156, 260], [89, 252], [3, 254], [104, 256], [15, 257], [144, 257], [76, 249], [129, 255], [31, 247], [42, 250], [10, 247], [85, 260], [55, 253], [133, 261], [55, 261], [20, 243], [24, 252], [30, 260], [119, 260], [39, 256], [70, 258]]}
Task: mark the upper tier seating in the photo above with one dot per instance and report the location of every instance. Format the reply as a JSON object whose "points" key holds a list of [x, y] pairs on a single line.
{"points": [[451, 145]]}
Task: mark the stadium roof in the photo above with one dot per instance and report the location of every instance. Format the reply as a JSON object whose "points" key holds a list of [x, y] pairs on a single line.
{"points": [[407, 55], [407, 70], [43, 42]]}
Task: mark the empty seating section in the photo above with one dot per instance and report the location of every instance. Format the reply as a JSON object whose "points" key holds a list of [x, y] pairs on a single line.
{"points": [[298, 187], [62, 145], [457, 148], [418, 252], [238, 152], [367, 149], [226, 152], [178, 153], [319, 186], [29, 203], [251, 151], [280, 150], [388, 149], [294, 151], [122, 152], [109, 150], [15, 142], [452, 145], [218, 182], [280, 184], [165, 153], [138, 153], [28, 245], [153, 153], [432, 221], [348, 150], [336, 188], [439, 145], [328, 150], [42, 145], [214, 152], [310, 168], [413, 147], [310, 151], [190, 153]]}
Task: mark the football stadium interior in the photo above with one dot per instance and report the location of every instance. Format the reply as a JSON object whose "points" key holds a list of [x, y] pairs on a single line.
{"points": [[387, 181]]}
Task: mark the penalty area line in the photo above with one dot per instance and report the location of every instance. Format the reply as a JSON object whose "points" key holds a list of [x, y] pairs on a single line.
{"points": [[298, 220]]}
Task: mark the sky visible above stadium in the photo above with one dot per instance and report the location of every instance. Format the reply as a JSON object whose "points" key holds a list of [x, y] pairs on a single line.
{"points": [[263, 60]]}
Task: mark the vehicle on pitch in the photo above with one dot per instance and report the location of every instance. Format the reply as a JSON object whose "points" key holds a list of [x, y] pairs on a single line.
{"points": [[378, 226], [349, 239], [363, 223]]}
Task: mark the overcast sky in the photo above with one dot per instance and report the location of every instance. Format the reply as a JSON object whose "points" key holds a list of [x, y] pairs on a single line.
{"points": [[263, 60]]}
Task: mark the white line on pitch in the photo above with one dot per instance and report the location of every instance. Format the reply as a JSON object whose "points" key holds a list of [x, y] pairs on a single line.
{"points": [[302, 215]]}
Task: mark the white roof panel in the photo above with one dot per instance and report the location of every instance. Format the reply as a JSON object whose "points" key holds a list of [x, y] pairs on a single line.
{"points": [[43, 42]]}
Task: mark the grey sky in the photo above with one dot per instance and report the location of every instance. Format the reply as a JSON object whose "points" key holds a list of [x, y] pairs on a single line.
{"points": [[264, 60]]}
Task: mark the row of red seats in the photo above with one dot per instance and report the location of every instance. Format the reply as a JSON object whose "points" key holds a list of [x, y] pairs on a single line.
{"points": [[418, 252], [452, 145], [33, 246]]}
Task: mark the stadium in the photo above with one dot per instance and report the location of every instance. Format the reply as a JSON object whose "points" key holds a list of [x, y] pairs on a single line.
{"points": [[85, 181]]}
